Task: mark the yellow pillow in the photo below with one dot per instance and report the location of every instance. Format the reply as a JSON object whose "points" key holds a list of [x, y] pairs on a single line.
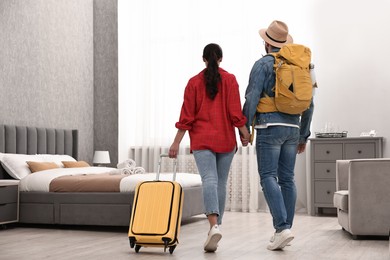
{"points": [[71, 164], [41, 166]]}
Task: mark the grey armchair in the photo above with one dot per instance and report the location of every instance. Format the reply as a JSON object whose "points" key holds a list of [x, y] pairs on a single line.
{"points": [[362, 196]]}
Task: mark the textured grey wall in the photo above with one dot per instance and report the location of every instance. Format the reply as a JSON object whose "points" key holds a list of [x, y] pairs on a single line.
{"points": [[47, 68], [105, 35]]}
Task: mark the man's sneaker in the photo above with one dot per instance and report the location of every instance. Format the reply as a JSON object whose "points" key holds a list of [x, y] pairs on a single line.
{"points": [[280, 240], [213, 238], [273, 238]]}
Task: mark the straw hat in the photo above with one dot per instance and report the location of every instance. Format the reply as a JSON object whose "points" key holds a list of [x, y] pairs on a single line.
{"points": [[276, 34]]}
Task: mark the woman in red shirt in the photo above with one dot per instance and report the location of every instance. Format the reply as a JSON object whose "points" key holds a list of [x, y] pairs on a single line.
{"points": [[210, 112]]}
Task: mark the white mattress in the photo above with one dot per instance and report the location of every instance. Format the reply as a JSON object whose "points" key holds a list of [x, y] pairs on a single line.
{"points": [[40, 181]]}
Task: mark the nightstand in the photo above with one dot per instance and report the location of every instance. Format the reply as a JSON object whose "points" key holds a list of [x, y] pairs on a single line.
{"points": [[9, 201]]}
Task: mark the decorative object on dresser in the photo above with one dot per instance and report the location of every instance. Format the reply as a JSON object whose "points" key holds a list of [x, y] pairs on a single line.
{"points": [[9, 201], [323, 155]]}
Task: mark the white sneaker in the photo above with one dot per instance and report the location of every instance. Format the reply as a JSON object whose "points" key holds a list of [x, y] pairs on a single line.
{"points": [[280, 240], [213, 238], [273, 238]]}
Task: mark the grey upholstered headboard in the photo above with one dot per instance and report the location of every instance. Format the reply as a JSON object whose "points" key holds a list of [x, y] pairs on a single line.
{"points": [[35, 140]]}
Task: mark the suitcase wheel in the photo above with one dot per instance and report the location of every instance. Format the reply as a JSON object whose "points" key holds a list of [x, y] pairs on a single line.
{"points": [[137, 248], [132, 241], [172, 248]]}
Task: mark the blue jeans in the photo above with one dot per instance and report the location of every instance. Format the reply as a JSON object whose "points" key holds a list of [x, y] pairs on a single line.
{"points": [[214, 171], [276, 148]]}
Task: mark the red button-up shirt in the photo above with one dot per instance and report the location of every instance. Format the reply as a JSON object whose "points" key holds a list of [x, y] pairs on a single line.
{"points": [[211, 123]]}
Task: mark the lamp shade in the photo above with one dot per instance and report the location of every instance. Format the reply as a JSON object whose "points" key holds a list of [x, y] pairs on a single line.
{"points": [[101, 157]]}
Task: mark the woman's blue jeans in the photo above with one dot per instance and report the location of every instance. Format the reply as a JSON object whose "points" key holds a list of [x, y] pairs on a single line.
{"points": [[214, 171], [276, 148]]}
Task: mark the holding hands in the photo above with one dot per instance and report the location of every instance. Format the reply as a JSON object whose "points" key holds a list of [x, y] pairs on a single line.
{"points": [[244, 135], [244, 141]]}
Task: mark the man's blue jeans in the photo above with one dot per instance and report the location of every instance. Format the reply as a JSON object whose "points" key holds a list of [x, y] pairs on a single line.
{"points": [[214, 171], [276, 148]]}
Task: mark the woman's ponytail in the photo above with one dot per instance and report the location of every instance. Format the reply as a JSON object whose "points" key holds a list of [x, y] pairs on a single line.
{"points": [[212, 53]]}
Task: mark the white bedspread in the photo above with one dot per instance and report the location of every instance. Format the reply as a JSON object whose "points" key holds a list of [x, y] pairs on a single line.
{"points": [[40, 181]]}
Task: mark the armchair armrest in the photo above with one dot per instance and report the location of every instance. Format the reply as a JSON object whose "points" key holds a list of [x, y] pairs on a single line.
{"points": [[342, 172]]}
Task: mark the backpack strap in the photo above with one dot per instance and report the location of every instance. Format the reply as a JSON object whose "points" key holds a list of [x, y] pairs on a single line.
{"points": [[267, 104]]}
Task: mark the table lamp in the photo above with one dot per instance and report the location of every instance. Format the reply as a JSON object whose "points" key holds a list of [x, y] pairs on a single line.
{"points": [[100, 158]]}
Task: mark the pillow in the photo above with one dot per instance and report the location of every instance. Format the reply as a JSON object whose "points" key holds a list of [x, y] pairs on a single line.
{"points": [[71, 164], [15, 164], [57, 158], [41, 166]]}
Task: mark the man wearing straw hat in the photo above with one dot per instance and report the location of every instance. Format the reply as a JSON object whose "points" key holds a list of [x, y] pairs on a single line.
{"points": [[279, 137]]}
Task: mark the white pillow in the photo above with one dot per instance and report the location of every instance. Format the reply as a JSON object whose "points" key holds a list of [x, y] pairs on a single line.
{"points": [[16, 166], [57, 158]]}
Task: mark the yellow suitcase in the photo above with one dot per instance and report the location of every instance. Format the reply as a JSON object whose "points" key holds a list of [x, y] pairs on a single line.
{"points": [[156, 214]]}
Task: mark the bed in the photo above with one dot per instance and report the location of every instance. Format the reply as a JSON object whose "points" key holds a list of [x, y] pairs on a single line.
{"points": [[72, 208]]}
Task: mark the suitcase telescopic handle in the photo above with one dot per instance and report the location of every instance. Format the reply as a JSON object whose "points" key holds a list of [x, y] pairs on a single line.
{"points": [[159, 166]]}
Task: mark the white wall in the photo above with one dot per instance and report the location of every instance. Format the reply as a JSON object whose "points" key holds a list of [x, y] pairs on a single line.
{"points": [[348, 40]]}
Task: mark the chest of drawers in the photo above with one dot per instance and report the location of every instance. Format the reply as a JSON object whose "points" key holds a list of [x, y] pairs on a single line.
{"points": [[323, 155], [9, 201]]}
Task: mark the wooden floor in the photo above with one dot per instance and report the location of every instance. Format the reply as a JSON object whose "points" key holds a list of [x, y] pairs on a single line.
{"points": [[245, 236]]}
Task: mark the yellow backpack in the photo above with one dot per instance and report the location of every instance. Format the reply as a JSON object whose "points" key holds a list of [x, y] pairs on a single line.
{"points": [[293, 86]]}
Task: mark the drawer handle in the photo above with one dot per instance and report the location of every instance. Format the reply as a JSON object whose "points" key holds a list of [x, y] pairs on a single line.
{"points": [[327, 170], [328, 192], [327, 152], [359, 152]]}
